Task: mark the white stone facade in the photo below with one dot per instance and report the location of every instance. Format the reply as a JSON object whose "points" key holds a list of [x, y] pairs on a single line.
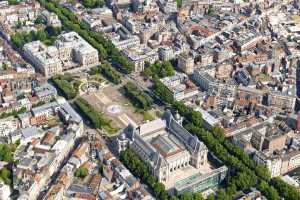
{"points": [[68, 48], [165, 146]]}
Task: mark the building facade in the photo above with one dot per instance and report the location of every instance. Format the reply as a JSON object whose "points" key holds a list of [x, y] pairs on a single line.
{"points": [[69, 51], [165, 146], [186, 63]]}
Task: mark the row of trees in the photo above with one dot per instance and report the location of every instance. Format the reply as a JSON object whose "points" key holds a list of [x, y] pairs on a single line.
{"points": [[244, 173], [96, 118], [159, 69], [140, 169], [110, 73], [47, 35], [138, 98], [285, 190], [105, 48], [240, 176], [162, 91], [122, 63], [93, 3], [234, 150], [190, 114], [64, 84], [107, 71]]}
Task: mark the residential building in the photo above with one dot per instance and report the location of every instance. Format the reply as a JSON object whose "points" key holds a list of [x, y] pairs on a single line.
{"points": [[186, 63], [180, 86], [166, 53], [51, 18], [45, 92], [213, 86], [168, 6], [8, 125], [139, 55], [41, 152], [4, 191]]}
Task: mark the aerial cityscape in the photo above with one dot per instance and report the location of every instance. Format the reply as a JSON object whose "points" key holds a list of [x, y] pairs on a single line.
{"points": [[149, 100]]}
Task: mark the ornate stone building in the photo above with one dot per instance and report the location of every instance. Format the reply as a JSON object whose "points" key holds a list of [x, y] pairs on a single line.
{"points": [[164, 145]]}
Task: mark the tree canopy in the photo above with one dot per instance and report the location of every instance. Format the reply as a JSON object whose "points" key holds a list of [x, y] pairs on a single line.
{"points": [[138, 98], [63, 83], [96, 118], [93, 3], [47, 36], [81, 172], [159, 69]]}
